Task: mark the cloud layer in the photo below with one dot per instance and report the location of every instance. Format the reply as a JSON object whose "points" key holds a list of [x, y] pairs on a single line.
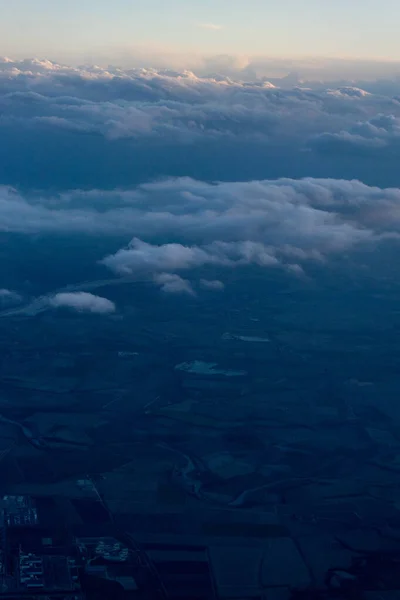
{"points": [[269, 224], [182, 226], [90, 126], [146, 102], [322, 214], [89, 151]]}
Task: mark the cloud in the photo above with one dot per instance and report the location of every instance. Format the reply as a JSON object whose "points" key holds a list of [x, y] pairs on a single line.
{"points": [[171, 283], [280, 224], [199, 218], [89, 126], [82, 302], [179, 226], [141, 258], [213, 284], [100, 152], [212, 223], [211, 26], [372, 73], [378, 132], [118, 103], [9, 296]]}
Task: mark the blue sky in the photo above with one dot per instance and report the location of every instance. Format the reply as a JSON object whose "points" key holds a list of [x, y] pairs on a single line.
{"points": [[339, 28]]}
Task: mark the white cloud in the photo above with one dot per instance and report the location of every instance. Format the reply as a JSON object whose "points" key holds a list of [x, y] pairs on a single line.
{"points": [[171, 283], [141, 258], [82, 302]]}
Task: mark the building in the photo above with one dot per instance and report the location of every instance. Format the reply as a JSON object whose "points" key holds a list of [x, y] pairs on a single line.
{"points": [[19, 511]]}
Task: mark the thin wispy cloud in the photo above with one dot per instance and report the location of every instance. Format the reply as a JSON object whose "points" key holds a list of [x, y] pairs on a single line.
{"points": [[211, 26]]}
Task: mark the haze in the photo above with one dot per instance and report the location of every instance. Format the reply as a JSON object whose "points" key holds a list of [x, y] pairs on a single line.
{"points": [[291, 28]]}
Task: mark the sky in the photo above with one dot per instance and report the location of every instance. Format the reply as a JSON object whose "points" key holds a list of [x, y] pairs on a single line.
{"points": [[97, 29]]}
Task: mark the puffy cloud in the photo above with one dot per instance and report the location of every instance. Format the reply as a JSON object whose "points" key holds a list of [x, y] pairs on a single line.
{"points": [[82, 302], [143, 258], [171, 283]]}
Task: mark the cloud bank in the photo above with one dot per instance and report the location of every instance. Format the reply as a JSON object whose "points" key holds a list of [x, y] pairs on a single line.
{"points": [[321, 214], [180, 105], [182, 226], [65, 126]]}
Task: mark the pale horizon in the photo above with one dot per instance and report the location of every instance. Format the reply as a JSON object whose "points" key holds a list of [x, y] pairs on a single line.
{"points": [[355, 31]]}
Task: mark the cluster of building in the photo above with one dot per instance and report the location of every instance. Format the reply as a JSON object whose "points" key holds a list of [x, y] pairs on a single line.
{"points": [[46, 563]]}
